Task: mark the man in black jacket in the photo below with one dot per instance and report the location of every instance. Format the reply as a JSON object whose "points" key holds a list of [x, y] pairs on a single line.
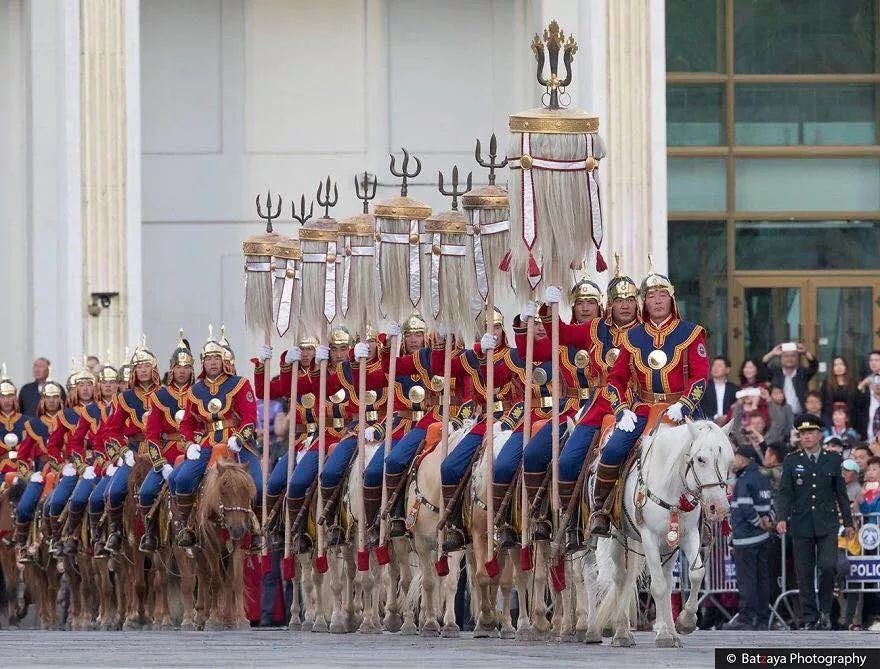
{"points": [[29, 396], [783, 361], [720, 392], [810, 497]]}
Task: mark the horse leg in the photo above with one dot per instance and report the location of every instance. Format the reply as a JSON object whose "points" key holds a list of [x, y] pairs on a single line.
{"points": [[617, 598], [237, 612], [506, 585], [320, 625], [337, 577], [430, 588], [686, 622], [522, 580], [540, 626], [406, 601], [393, 621], [587, 619], [308, 585], [350, 593], [449, 588], [661, 586]]}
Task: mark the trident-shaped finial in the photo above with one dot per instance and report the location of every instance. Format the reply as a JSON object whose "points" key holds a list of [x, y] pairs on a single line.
{"points": [[365, 188], [211, 332], [404, 171], [269, 216], [303, 216], [555, 40], [324, 200], [454, 193], [491, 164], [650, 264], [617, 262]]}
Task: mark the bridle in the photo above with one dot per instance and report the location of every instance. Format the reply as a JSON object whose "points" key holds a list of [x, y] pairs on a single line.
{"points": [[222, 509], [695, 496]]}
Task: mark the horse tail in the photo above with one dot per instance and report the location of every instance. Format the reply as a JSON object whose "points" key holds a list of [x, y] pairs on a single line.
{"points": [[616, 604]]}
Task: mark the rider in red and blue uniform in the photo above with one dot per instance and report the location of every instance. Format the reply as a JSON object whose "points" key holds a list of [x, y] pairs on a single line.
{"points": [[665, 362]]}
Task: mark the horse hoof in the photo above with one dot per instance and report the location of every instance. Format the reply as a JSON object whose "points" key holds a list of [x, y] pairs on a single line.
{"points": [[409, 629], [524, 634], [430, 629], [685, 623], [393, 622], [214, 626], [294, 626], [568, 637], [507, 632], [607, 632], [369, 628], [337, 628], [590, 636], [668, 641], [320, 627], [307, 625], [627, 641], [187, 626], [130, 626], [450, 631]]}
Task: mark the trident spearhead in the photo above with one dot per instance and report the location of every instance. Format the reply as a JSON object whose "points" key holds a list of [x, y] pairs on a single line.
{"points": [[404, 173], [554, 41], [491, 163], [303, 216], [455, 193], [269, 215], [325, 200], [365, 188]]}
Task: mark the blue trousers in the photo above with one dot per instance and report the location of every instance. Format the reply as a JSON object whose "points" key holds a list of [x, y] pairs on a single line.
{"points": [[304, 474], [337, 462], [117, 489], [99, 494], [81, 493], [403, 452], [278, 477], [508, 458], [454, 467], [27, 505], [150, 488], [375, 469], [621, 443], [63, 490], [191, 472]]}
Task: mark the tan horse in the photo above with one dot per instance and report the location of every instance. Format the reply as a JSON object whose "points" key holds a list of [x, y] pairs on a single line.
{"points": [[224, 518], [10, 608]]}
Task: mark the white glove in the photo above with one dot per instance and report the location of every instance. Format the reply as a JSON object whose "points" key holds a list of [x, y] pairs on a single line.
{"points": [[294, 354], [552, 295], [627, 421], [129, 458], [37, 477], [193, 451], [233, 444], [529, 311], [393, 330], [68, 469], [89, 473], [487, 342], [675, 412], [370, 433], [361, 351], [111, 470], [12, 455], [322, 353], [118, 462], [264, 353], [166, 471]]}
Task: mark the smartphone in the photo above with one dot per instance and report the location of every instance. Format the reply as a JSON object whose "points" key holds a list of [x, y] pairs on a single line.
{"points": [[788, 346]]}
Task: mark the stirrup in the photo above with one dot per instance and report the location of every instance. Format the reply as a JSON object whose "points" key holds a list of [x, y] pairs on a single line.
{"points": [[454, 540], [300, 543], [335, 535], [542, 531], [600, 524], [149, 543], [396, 528], [574, 540], [186, 538], [507, 537]]}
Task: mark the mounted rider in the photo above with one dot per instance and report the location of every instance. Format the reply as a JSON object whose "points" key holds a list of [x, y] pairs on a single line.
{"points": [[220, 408], [665, 361], [165, 442]]}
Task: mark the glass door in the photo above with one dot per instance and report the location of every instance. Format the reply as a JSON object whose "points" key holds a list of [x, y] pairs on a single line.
{"points": [[831, 315]]}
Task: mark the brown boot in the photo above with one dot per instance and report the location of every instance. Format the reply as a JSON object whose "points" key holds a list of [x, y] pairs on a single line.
{"points": [[114, 533], [542, 530], [331, 505], [20, 535], [507, 537], [573, 537], [150, 541], [55, 527], [372, 502], [397, 525], [72, 530], [600, 520], [455, 538], [300, 541], [96, 534], [186, 538]]}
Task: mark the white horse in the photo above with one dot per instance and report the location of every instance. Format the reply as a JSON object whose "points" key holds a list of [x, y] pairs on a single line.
{"points": [[691, 461]]}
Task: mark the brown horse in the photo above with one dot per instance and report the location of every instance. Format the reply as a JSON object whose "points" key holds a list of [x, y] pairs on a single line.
{"points": [[10, 608], [224, 520]]}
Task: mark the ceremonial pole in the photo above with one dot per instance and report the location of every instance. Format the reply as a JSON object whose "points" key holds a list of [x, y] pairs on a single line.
{"points": [[360, 310], [258, 316], [525, 553], [287, 257]]}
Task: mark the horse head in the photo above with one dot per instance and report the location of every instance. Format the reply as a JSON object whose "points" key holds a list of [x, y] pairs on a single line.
{"points": [[707, 467], [227, 498]]}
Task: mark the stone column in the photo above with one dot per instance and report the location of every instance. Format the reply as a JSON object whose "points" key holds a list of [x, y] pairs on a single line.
{"points": [[111, 227]]}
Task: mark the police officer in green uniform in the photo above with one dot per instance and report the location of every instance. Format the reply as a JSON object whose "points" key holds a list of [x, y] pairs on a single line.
{"points": [[811, 495]]}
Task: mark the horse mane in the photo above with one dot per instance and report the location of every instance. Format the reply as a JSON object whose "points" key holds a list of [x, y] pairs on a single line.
{"points": [[228, 482]]}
